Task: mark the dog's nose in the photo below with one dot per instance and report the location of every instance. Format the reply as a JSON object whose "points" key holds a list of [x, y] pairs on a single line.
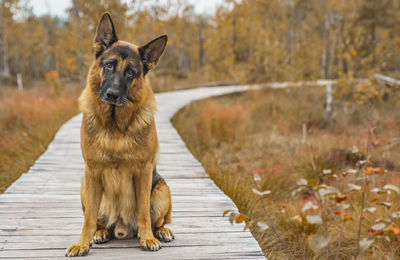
{"points": [[112, 94]]}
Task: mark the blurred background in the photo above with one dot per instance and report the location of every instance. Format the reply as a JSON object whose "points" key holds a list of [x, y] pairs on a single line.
{"points": [[244, 41]]}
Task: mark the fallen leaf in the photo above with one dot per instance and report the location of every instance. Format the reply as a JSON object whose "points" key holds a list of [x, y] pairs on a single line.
{"points": [[298, 218], [374, 232], [322, 186], [387, 205], [339, 213], [317, 242], [262, 226], [226, 212], [392, 187], [383, 220], [341, 198], [352, 171], [257, 177], [374, 199], [396, 230], [308, 205], [341, 207], [326, 171], [370, 210], [388, 228], [247, 226], [372, 170], [329, 191], [302, 181], [346, 219], [313, 182], [261, 193], [352, 187], [362, 162], [314, 219], [379, 226], [365, 243], [379, 191], [395, 215], [240, 218]]}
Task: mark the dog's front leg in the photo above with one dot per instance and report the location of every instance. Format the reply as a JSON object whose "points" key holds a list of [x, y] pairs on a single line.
{"points": [[143, 191], [93, 194]]}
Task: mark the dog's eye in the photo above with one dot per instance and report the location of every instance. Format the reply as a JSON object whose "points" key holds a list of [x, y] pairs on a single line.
{"points": [[130, 73], [109, 66]]}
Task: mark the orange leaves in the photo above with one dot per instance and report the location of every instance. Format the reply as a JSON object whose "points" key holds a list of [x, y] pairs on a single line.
{"points": [[381, 228], [339, 213], [341, 198], [396, 230], [297, 218], [347, 219], [52, 74], [371, 170], [240, 218], [237, 218], [247, 226], [226, 212]]}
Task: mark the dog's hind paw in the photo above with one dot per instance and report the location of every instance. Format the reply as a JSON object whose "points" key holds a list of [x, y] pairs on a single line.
{"points": [[164, 234], [101, 236]]}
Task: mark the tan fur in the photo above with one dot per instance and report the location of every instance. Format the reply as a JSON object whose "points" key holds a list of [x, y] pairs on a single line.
{"points": [[120, 156]]}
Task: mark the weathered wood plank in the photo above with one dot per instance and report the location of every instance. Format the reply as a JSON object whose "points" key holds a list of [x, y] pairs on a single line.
{"points": [[40, 214]]}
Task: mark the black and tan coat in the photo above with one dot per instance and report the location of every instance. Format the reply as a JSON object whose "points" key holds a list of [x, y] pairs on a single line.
{"points": [[121, 192]]}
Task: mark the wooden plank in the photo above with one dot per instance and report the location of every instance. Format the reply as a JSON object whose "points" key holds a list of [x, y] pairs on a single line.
{"points": [[40, 214]]}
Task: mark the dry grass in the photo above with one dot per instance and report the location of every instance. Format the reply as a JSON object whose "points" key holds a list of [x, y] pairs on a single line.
{"points": [[260, 132], [28, 123]]}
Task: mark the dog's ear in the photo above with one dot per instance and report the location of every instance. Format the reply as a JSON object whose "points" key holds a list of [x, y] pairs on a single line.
{"points": [[105, 35], [152, 51]]}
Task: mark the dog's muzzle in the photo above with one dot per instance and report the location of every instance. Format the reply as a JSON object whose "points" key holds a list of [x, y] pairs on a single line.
{"points": [[113, 96]]}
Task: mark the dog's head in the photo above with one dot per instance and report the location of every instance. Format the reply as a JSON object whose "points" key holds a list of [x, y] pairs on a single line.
{"points": [[122, 65]]}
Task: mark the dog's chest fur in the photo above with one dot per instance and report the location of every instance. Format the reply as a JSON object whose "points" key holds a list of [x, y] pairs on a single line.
{"points": [[119, 200]]}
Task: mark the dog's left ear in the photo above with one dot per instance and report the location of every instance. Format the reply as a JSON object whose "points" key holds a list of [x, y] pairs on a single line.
{"points": [[105, 35], [151, 52]]}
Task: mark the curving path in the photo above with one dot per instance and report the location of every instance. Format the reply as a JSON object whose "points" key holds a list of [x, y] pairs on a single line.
{"points": [[40, 214]]}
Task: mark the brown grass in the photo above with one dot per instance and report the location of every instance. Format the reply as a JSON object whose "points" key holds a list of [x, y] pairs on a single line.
{"points": [[239, 135], [28, 123]]}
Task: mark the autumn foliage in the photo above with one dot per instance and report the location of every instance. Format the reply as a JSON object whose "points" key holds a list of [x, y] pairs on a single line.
{"points": [[28, 122], [245, 41], [53, 82], [303, 195]]}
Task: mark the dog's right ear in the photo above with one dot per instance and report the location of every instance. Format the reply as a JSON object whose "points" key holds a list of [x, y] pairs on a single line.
{"points": [[105, 35]]}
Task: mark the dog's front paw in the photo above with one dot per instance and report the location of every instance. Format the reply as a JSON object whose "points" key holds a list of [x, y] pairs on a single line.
{"points": [[151, 244], [164, 234], [78, 249], [101, 236]]}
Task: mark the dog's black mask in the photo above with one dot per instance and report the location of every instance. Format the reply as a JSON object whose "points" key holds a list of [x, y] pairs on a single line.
{"points": [[120, 66]]}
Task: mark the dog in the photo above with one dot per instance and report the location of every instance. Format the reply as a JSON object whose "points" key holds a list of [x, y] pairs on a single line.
{"points": [[121, 192]]}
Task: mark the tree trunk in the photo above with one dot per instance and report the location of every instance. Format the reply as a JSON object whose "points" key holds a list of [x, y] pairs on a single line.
{"points": [[79, 52], [201, 44], [3, 42]]}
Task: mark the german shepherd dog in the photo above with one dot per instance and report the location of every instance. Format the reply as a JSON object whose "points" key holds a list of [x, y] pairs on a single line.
{"points": [[121, 192]]}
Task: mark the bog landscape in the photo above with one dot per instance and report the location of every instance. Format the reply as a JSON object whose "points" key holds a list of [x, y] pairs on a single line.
{"points": [[308, 150]]}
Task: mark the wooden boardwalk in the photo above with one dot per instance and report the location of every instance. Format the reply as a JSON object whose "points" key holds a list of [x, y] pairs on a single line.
{"points": [[40, 214]]}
